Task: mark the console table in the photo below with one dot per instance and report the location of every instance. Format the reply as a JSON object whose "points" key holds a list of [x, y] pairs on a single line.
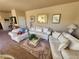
{"points": [[41, 51]]}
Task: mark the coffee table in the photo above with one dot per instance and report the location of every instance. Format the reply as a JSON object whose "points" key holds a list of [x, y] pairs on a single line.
{"points": [[33, 43], [41, 51]]}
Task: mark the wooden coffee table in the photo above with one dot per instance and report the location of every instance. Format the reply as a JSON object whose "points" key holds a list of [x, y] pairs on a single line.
{"points": [[41, 51]]}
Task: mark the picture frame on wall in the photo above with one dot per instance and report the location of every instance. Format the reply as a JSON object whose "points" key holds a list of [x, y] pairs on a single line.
{"points": [[13, 19], [32, 18], [42, 18], [56, 18]]}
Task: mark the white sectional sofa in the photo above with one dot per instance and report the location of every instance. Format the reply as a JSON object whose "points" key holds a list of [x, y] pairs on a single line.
{"points": [[64, 46], [16, 37], [40, 32]]}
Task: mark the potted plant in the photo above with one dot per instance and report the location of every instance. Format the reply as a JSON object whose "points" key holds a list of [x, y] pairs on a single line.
{"points": [[33, 39]]}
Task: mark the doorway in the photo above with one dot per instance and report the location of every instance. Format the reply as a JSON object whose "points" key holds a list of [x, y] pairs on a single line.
{"points": [[1, 28]]}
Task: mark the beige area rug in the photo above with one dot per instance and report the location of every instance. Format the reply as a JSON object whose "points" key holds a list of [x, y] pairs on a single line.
{"points": [[41, 51], [6, 57]]}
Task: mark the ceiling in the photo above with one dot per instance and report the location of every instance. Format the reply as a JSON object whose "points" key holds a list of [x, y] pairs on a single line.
{"points": [[23, 5]]}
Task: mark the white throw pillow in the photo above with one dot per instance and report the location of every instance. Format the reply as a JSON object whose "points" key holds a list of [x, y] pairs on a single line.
{"points": [[56, 34], [61, 38], [64, 44], [38, 29], [32, 29], [45, 30]]}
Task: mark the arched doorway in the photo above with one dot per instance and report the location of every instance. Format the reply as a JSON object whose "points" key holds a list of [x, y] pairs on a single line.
{"points": [[1, 26]]}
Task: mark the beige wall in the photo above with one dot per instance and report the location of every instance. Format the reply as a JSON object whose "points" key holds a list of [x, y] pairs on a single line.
{"points": [[18, 15], [69, 14], [4, 15]]}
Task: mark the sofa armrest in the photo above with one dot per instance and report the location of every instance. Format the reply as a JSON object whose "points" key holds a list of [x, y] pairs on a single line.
{"points": [[12, 34]]}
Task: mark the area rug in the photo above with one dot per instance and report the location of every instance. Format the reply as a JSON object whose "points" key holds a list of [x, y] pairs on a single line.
{"points": [[41, 51]]}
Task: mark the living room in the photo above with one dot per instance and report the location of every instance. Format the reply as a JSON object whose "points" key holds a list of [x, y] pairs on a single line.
{"points": [[43, 21]]}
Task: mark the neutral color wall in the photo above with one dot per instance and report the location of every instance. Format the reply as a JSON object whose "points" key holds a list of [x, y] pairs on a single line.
{"points": [[13, 12], [69, 14], [18, 15], [21, 16], [5, 24]]}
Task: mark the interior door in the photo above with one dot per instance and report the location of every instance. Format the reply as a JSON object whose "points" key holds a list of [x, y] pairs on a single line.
{"points": [[22, 22]]}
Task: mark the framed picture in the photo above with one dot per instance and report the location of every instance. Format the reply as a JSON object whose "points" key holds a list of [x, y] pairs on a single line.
{"points": [[13, 19], [32, 18], [56, 18], [42, 18]]}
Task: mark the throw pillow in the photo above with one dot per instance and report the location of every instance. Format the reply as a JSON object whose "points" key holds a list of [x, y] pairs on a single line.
{"points": [[45, 30], [32, 29], [38, 29], [64, 44], [56, 34], [62, 38], [22, 30]]}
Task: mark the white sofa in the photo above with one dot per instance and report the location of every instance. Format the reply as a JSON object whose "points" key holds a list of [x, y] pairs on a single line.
{"points": [[16, 37], [68, 52], [40, 32]]}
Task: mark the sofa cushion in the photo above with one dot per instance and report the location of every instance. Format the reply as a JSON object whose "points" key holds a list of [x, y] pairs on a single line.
{"points": [[56, 34], [48, 32], [74, 41], [64, 44], [38, 29], [32, 29], [54, 44], [45, 30], [62, 38]]}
